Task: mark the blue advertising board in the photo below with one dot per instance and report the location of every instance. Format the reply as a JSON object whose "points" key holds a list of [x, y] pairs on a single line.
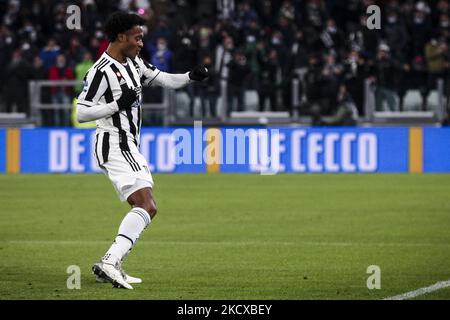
{"points": [[436, 150], [2, 150], [241, 150]]}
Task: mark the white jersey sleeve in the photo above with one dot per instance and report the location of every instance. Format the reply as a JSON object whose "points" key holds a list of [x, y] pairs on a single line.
{"points": [[90, 106], [150, 75]]}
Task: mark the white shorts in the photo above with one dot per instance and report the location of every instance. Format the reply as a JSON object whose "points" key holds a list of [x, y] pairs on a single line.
{"points": [[127, 170]]}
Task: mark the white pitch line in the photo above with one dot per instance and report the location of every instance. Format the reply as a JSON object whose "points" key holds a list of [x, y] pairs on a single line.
{"points": [[149, 242], [231, 243], [421, 291]]}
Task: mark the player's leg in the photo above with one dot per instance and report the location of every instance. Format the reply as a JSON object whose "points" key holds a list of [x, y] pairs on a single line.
{"points": [[143, 210], [133, 224], [134, 184], [141, 214], [144, 199]]}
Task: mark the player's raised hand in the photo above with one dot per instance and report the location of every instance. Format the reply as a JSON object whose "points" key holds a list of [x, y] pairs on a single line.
{"points": [[199, 73], [127, 99]]}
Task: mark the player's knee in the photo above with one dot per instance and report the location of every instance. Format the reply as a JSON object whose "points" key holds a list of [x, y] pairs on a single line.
{"points": [[150, 207]]}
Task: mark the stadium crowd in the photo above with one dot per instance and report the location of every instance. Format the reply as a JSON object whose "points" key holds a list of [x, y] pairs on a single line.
{"points": [[259, 45]]}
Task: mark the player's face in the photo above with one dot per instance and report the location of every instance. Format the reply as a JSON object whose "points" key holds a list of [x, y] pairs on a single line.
{"points": [[134, 42]]}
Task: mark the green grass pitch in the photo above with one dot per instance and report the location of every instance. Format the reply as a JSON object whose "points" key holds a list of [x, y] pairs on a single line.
{"points": [[223, 236]]}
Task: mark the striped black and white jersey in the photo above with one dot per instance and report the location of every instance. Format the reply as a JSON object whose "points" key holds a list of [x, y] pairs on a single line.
{"points": [[103, 85]]}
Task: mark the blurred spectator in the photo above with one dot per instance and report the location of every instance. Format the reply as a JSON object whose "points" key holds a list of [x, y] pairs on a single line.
{"points": [[92, 13], [6, 49], [439, 16], [332, 38], [103, 43], [61, 95], [209, 89], [347, 13], [225, 8], [287, 29], [94, 46], [270, 72], [420, 29], [162, 30], [38, 69], [162, 56], [385, 73], [395, 33], [75, 52], [49, 53], [29, 50], [239, 70], [39, 72], [279, 44], [365, 40], [250, 49], [59, 17], [413, 76], [7, 43], [443, 30], [299, 52], [406, 9], [355, 71], [97, 44], [335, 68], [224, 54], [28, 32], [205, 44], [287, 11], [314, 15], [81, 69], [245, 13], [186, 57], [265, 13], [442, 7], [328, 84], [345, 113], [437, 56], [312, 82], [226, 29], [16, 88], [10, 16], [321, 83]]}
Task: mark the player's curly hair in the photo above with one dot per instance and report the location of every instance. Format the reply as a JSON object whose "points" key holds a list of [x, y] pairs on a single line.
{"points": [[120, 22]]}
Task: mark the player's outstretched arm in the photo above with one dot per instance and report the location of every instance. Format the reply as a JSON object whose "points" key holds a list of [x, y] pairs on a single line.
{"points": [[176, 81], [152, 76], [90, 111]]}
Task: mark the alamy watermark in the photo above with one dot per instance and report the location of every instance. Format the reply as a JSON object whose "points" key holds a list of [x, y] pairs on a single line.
{"points": [[374, 280], [374, 19], [73, 21], [200, 146], [74, 280]]}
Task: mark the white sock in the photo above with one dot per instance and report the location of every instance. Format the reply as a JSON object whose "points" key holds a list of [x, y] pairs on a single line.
{"points": [[129, 231]]}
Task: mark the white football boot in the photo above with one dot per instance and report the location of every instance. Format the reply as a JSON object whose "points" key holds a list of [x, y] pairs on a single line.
{"points": [[129, 279], [110, 273], [126, 277]]}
